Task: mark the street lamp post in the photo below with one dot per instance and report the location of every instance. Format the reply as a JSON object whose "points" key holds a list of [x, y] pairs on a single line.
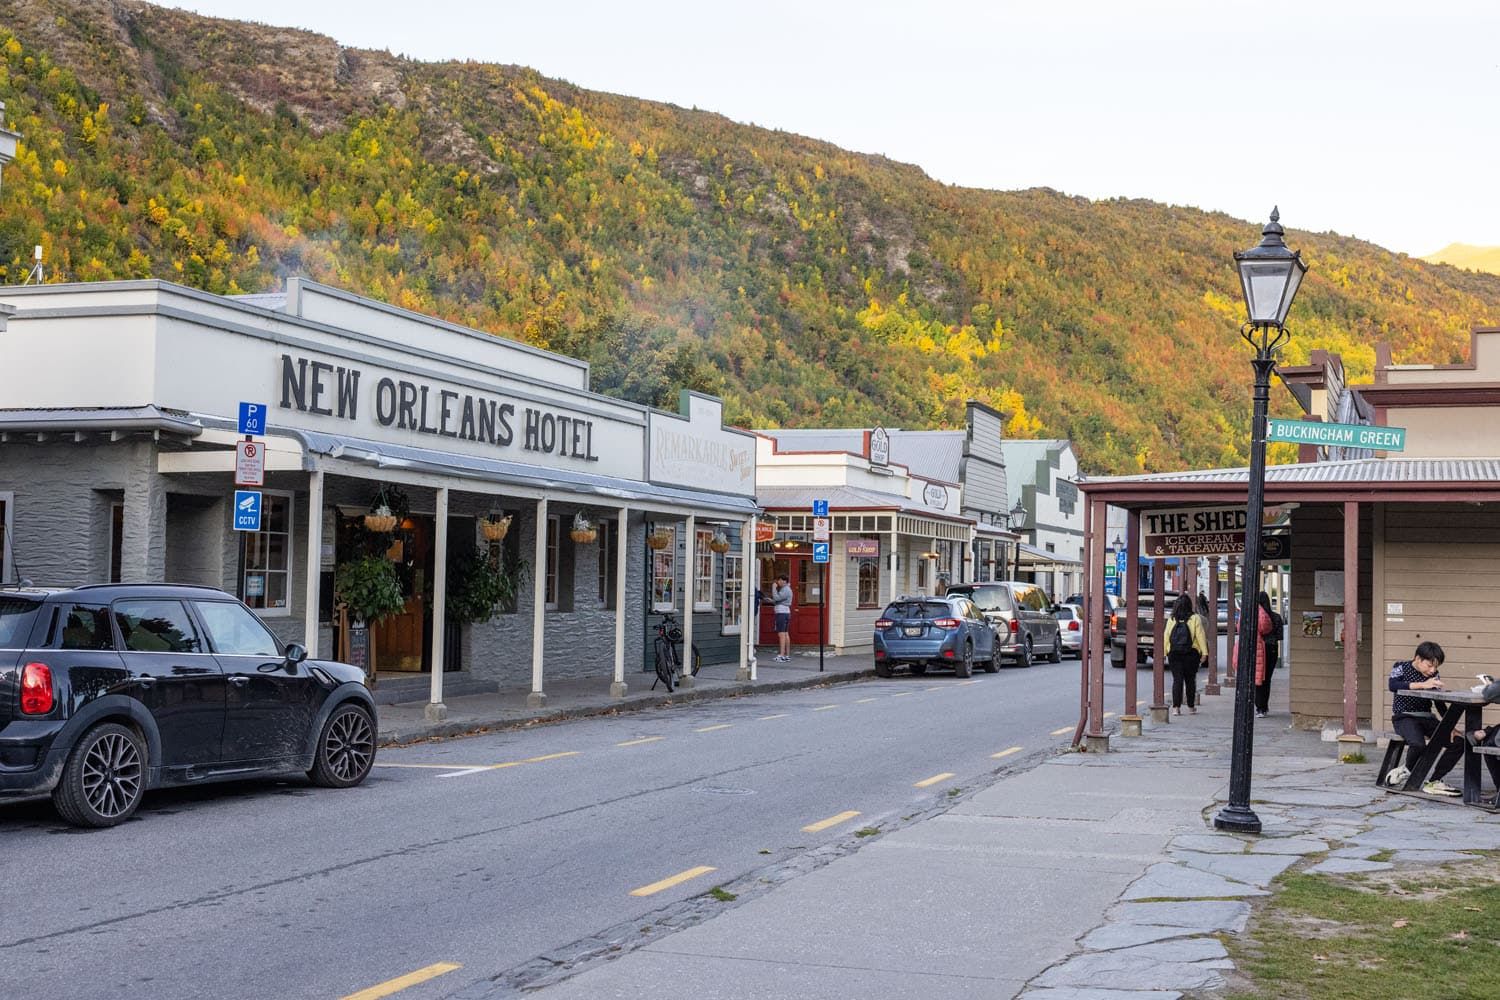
{"points": [[1270, 274], [1016, 522]]}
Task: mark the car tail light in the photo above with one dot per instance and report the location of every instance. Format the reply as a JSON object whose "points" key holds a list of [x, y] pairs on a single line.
{"points": [[1114, 620], [883, 623], [947, 654], [1073, 625], [945, 622], [36, 689], [1015, 626]]}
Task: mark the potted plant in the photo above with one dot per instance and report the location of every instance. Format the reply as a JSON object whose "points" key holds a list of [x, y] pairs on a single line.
{"points": [[370, 590], [495, 527], [381, 519], [476, 587], [659, 538], [719, 542], [583, 531]]}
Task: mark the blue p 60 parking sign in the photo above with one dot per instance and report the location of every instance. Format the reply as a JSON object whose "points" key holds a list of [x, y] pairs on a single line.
{"points": [[246, 510], [253, 418]]}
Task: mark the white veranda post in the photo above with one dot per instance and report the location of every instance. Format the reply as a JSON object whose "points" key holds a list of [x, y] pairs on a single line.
{"points": [[622, 534], [690, 574], [314, 561], [436, 710], [536, 698]]}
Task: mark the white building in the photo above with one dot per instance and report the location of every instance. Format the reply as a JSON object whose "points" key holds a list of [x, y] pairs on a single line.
{"points": [[1042, 476]]}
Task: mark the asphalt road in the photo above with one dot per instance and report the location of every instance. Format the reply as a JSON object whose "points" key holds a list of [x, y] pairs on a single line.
{"points": [[491, 852]]}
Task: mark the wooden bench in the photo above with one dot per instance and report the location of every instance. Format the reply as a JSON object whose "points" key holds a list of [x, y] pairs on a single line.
{"points": [[1487, 751], [1393, 751]]}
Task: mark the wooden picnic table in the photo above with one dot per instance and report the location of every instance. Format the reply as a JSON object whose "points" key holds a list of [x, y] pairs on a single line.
{"points": [[1451, 705]]}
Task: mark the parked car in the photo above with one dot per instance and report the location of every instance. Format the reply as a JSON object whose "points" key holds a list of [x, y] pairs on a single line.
{"points": [[107, 692], [1070, 628], [1022, 616], [935, 632], [1223, 614], [1145, 619], [1114, 604]]}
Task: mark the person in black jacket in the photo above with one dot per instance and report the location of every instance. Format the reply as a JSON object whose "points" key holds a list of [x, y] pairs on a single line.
{"points": [[1273, 654], [1414, 720]]}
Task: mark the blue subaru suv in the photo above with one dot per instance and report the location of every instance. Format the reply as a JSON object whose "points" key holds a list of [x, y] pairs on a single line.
{"points": [[935, 632], [107, 692]]}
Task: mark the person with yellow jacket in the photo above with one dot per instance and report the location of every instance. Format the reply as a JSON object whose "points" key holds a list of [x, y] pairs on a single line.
{"points": [[1187, 649]]}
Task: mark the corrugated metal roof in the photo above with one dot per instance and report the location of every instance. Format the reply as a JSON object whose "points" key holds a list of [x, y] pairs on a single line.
{"points": [[933, 454], [800, 498], [1365, 470], [818, 439], [382, 455]]}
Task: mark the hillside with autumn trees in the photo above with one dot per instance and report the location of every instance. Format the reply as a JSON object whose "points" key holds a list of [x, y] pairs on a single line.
{"points": [[807, 285]]}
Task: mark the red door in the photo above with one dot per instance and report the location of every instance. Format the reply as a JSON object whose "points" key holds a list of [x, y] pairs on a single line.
{"points": [[803, 573]]}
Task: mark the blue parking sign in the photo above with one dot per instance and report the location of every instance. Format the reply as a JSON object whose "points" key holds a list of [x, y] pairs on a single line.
{"points": [[820, 552], [253, 418], [820, 509], [247, 510]]}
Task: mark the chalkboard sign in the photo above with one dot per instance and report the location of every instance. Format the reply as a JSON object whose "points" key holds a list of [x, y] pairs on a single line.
{"points": [[359, 648]]}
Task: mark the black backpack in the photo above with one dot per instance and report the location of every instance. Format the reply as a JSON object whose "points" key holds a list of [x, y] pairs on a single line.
{"points": [[1181, 639]]}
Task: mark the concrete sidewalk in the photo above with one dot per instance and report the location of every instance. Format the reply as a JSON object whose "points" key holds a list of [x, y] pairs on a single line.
{"points": [[406, 722], [1089, 877]]}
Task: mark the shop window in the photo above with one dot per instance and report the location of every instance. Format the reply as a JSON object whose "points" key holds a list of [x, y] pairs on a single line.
{"points": [[703, 578], [268, 557], [116, 537], [869, 583], [922, 565], [554, 533], [734, 593], [664, 573], [608, 560], [983, 567], [6, 502]]}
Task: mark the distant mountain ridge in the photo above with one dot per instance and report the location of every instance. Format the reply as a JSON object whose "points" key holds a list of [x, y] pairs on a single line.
{"points": [[1486, 259], [807, 285]]}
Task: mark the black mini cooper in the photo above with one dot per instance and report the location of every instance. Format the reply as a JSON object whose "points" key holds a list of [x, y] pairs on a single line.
{"points": [[109, 691]]}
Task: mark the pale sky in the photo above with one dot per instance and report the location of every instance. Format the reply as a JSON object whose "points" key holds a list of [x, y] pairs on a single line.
{"points": [[1374, 119]]}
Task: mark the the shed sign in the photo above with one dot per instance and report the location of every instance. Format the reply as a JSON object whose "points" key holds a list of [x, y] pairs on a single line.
{"points": [[1193, 531]]}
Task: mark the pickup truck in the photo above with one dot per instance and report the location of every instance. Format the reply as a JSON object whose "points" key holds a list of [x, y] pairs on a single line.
{"points": [[1145, 619]]}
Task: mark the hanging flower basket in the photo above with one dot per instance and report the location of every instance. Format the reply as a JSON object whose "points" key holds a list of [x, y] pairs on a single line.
{"points": [[719, 542], [380, 520], [659, 539], [494, 528], [583, 531]]}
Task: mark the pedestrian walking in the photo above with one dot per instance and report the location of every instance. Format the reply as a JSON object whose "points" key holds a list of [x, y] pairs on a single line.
{"points": [[781, 608], [1263, 627], [1272, 653], [1187, 649]]}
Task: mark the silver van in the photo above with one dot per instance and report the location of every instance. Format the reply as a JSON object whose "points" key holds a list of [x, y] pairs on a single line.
{"points": [[1022, 615]]}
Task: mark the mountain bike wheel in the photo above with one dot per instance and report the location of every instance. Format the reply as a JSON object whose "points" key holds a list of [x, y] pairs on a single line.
{"points": [[697, 660], [666, 665]]}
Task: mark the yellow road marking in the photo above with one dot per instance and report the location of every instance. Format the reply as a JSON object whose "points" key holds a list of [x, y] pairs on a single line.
{"points": [[824, 708], [768, 718], [435, 767], [462, 771], [1059, 732], [709, 729], [550, 756], [925, 782], [400, 983], [903, 694], [667, 883], [824, 824], [1006, 752], [863, 701], [643, 739]]}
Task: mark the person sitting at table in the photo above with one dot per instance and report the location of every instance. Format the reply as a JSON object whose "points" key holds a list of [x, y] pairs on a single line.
{"points": [[1414, 720]]}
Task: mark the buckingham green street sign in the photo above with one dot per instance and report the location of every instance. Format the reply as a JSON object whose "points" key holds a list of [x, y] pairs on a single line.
{"points": [[1343, 435]]}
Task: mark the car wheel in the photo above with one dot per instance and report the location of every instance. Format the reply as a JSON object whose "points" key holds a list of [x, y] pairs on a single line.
{"points": [[104, 778], [992, 665], [882, 668], [1056, 654], [965, 665], [346, 748], [1025, 659], [918, 669]]}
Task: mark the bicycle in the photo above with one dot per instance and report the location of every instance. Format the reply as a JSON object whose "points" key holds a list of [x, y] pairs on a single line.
{"points": [[668, 654]]}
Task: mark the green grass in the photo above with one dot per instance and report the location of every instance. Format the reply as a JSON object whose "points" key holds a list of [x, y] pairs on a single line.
{"points": [[1353, 758], [723, 895], [868, 831], [1416, 938]]}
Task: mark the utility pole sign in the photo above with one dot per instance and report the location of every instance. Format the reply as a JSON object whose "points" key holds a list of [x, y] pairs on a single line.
{"points": [[249, 463], [246, 510]]}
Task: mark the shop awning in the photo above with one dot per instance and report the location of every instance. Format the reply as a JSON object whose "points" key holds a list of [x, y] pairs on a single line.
{"points": [[844, 499], [1035, 558]]}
